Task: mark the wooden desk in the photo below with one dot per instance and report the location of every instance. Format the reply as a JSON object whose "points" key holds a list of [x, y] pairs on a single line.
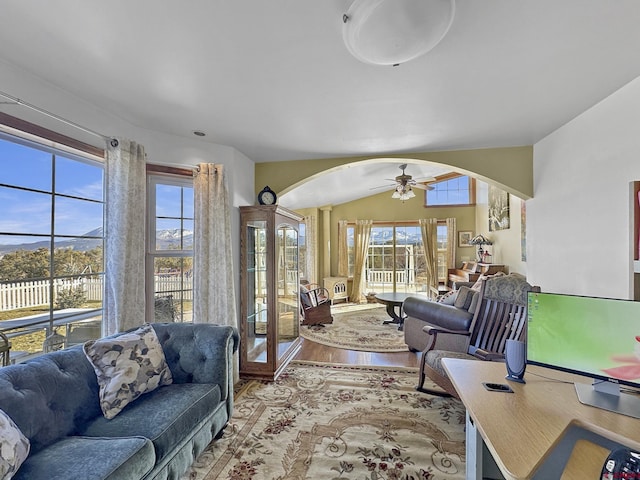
{"points": [[521, 430]]}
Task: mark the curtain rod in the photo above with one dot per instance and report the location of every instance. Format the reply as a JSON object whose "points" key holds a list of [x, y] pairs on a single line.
{"points": [[17, 101]]}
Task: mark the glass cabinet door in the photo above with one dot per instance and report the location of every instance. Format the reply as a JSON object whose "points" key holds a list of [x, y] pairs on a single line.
{"points": [[256, 288], [288, 309], [269, 294]]}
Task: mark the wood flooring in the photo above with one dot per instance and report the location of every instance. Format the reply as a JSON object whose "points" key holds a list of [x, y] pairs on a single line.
{"points": [[316, 352]]}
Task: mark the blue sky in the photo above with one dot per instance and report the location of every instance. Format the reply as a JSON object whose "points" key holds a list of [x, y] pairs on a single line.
{"points": [[30, 212]]}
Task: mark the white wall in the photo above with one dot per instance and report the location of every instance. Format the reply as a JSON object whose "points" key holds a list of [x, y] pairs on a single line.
{"points": [[506, 248], [160, 148], [579, 221]]}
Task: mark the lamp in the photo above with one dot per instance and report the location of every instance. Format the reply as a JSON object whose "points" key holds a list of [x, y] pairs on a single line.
{"points": [[480, 240], [403, 192], [391, 32]]}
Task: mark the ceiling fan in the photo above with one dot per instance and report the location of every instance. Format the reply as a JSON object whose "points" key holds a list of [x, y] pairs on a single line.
{"points": [[404, 185]]}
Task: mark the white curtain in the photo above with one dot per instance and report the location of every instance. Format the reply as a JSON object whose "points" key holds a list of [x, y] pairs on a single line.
{"points": [[343, 249], [429, 230], [361, 247], [311, 243], [125, 171], [213, 280], [452, 235]]}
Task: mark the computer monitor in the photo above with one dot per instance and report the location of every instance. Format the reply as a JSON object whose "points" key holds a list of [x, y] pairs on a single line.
{"points": [[594, 337]]}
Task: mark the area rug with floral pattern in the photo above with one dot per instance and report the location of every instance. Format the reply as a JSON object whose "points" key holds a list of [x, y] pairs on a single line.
{"points": [[358, 329], [322, 421]]}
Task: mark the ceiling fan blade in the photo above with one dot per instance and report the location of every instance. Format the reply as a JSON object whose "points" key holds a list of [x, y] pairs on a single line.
{"points": [[422, 186], [406, 182], [393, 185], [425, 179]]}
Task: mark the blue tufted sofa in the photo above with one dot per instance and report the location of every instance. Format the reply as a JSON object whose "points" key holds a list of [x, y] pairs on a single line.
{"points": [[53, 399]]}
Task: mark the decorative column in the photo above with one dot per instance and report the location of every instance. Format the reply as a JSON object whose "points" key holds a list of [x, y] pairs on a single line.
{"points": [[326, 241]]}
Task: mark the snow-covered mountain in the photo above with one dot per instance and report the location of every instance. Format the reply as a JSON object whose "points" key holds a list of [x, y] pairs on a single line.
{"points": [[385, 236], [170, 239], [166, 239]]}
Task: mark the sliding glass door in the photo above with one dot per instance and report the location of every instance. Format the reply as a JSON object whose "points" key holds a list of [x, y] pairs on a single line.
{"points": [[395, 259]]}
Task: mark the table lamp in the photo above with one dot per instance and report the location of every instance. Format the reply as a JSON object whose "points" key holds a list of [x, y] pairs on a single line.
{"points": [[480, 240]]}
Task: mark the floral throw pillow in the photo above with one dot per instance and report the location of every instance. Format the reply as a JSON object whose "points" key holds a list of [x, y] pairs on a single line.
{"points": [[127, 366], [448, 298], [14, 447]]}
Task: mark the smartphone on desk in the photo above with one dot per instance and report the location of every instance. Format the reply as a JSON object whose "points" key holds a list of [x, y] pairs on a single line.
{"points": [[497, 387]]}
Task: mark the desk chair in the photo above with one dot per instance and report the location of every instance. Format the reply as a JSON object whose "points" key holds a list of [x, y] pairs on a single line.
{"points": [[315, 306], [164, 309], [82, 332], [53, 342], [501, 316], [5, 348]]}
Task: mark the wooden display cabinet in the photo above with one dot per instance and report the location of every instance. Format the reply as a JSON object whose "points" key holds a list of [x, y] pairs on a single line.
{"points": [[269, 290]]}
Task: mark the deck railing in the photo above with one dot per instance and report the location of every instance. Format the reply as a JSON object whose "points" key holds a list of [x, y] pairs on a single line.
{"points": [[382, 277]]}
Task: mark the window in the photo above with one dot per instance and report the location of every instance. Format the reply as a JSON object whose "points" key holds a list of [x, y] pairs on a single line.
{"points": [[452, 189], [51, 244], [441, 236], [395, 258], [395, 261], [350, 250], [170, 251], [302, 251]]}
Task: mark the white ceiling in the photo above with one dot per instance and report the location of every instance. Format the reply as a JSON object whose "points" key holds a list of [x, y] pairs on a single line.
{"points": [[353, 181], [274, 79]]}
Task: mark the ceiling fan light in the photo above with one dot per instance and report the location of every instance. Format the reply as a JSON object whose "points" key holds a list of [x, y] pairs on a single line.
{"points": [[390, 32], [410, 194], [396, 194]]}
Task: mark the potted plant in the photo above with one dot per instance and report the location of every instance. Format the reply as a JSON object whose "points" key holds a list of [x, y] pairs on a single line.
{"points": [[371, 297]]}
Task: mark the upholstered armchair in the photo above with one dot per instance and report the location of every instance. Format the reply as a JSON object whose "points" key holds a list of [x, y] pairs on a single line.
{"points": [[501, 316]]}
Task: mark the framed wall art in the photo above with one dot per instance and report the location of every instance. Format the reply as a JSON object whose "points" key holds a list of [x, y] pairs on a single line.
{"points": [[499, 218], [464, 238]]}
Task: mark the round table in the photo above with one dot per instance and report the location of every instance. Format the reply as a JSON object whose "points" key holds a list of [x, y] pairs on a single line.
{"points": [[393, 301]]}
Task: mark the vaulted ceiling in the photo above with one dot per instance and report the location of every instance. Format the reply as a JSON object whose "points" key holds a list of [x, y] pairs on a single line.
{"points": [[274, 80]]}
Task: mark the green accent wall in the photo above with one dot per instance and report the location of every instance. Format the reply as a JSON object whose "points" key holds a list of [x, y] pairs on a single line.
{"points": [[509, 168], [381, 207]]}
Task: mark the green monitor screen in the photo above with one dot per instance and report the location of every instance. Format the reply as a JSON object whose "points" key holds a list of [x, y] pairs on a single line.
{"points": [[595, 337]]}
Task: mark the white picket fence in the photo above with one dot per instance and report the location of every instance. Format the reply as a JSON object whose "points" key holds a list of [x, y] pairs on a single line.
{"points": [[38, 293], [175, 283]]}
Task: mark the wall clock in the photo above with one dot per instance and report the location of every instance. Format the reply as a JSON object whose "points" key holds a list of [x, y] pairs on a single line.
{"points": [[267, 196]]}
